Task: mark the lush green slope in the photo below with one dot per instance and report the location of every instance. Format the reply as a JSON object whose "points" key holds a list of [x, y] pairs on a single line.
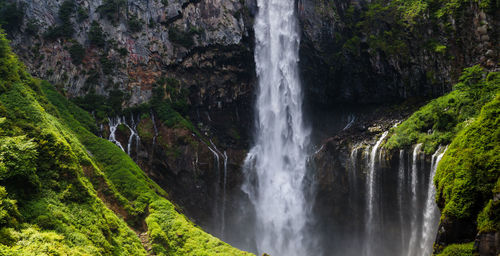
{"points": [[468, 177], [58, 182], [438, 122]]}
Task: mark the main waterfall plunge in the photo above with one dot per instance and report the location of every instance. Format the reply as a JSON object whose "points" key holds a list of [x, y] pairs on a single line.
{"points": [[366, 202], [276, 165]]}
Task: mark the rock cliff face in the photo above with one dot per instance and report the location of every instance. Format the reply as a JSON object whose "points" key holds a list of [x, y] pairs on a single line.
{"points": [[129, 45], [363, 52]]}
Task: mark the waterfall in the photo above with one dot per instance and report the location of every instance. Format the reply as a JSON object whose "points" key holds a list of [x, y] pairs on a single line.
{"points": [[113, 125], [371, 197], [414, 192], [133, 135], [223, 211], [275, 167], [401, 189], [217, 176], [155, 128], [431, 211]]}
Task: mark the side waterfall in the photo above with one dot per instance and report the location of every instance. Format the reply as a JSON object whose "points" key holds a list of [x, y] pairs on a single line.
{"points": [[372, 196], [415, 202], [431, 211], [275, 167], [382, 201]]}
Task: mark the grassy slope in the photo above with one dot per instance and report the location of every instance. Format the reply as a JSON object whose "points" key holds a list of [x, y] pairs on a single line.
{"points": [[468, 175], [58, 172]]}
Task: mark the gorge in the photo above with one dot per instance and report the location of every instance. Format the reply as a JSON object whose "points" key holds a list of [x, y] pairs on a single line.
{"points": [[240, 127]]}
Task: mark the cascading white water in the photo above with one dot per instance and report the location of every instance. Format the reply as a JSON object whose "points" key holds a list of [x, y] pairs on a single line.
{"points": [[401, 187], [217, 174], [431, 211], [155, 128], [113, 125], [414, 216], [276, 165], [223, 211], [133, 135], [371, 197]]}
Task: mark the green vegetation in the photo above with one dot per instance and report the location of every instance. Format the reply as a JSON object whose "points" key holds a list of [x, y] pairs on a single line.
{"points": [[65, 29], [77, 52], [180, 37], [107, 65], [112, 9], [170, 103], [438, 122], [458, 250], [57, 180], [469, 172], [135, 24], [11, 15], [468, 176], [82, 14], [96, 35]]}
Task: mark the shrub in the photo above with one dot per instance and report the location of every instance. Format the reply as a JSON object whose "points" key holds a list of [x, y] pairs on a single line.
{"points": [[458, 250], [77, 52], [11, 16], [96, 35], [65, 29], [112, 9], [135, 24], [439, 121], [82, 14], [180, 37], [107, 65]]}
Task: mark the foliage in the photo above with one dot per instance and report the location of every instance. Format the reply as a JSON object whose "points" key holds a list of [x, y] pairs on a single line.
{"points": [[11, 16], [112, 9], [65, 29], [107, 65], [458, 250], [438, 122], [470, 169], [135, 24], [82, 14], [180, 37], [8, 212], [96, 35], [10, 69], [170, 103], [46, 138], [32, 27], [77, 52]]}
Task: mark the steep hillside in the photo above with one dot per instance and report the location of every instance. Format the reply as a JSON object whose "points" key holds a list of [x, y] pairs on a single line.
{"points": [[467, 177], [66, 191]]}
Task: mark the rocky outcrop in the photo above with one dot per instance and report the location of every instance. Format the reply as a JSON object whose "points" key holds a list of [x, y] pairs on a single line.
{"points": [[354, 51], [206, 44]]}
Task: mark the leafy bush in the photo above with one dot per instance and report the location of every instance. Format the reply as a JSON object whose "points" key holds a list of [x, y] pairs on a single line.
{"points": [[77, 52], [11, 16], [45, 135], [458, 250], [82, 14], [96, 35], [65, 29], [112, 9], [135, 24], [181, 37], [467, 174], [438, 122]]}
